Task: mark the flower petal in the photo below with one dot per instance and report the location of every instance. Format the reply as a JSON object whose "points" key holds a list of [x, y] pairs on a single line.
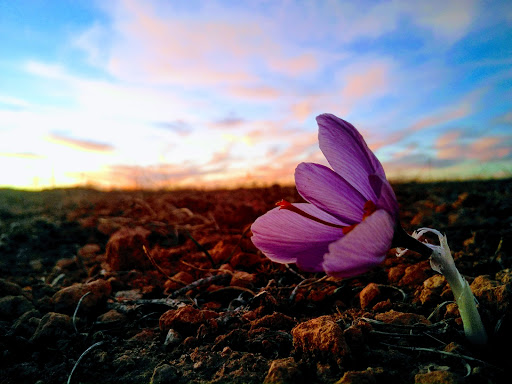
{"points": [[386, 198], [362, 248], [287, 237], [347, 153], [328, 191]]}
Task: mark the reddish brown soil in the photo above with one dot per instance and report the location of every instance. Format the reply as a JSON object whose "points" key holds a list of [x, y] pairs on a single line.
{"points": [[203, 305]]}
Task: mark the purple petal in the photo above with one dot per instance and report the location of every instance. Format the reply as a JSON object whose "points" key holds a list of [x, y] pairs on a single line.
{"points": [[287, 237], [362, 248], [328, 191], [347, 153], [386, 198]]}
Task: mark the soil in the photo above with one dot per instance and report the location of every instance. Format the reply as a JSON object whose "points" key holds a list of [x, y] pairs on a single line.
{"points": [[167, 287]]}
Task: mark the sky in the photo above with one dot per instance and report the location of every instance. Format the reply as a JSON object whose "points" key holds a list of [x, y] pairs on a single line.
{"points": [[171, 94]]}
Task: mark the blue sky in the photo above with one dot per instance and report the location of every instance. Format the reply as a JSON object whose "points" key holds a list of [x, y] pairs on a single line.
{"points": [[220, 93]]}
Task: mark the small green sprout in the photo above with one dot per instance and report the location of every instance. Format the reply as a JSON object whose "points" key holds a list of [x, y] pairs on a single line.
{"points": [[441, 261]]}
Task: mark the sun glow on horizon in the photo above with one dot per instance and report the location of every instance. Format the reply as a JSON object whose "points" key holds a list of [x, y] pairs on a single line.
{"points": [[154, 94]]}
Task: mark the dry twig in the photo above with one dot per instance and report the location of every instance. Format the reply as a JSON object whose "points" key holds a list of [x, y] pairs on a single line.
{"points": [[200, 247], [237, 244], [198, 283], [148, 255], [452, 354]]}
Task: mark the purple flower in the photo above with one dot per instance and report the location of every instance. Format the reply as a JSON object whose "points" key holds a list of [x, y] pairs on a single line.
{"points": [[347, 226]]}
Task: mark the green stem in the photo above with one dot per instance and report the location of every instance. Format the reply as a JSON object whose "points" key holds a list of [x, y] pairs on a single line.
{"points": [[442, 261]]}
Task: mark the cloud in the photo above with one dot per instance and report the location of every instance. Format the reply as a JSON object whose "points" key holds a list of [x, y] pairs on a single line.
{"points": [[228, 122], [490, 148], [300, 147], [445, 116], [93, 42], [455, 146], [82, 145], [446, 20], [504, 119], [49, 71], [22, 155], [258, 93], [347, 22], [413, 162], [302, 109], [234, 49], [178, 126], [107, 100], [12, 103], [296, 66], [158, 80], [448, 139], [364, 81], [462, 109], [182, 50]]}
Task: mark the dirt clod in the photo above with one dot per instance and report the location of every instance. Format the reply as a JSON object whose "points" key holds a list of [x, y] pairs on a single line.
{"points": [[185, 320], [320, 338]]}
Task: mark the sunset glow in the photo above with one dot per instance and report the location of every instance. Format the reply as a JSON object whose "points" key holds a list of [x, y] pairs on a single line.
{"points": [[164, 94]]}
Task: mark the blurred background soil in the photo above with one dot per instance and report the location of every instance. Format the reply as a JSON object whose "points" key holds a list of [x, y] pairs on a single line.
{"points": [[167, 287]]}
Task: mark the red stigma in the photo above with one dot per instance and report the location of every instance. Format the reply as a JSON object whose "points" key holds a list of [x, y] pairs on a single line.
{"points": [[368, 209], [283, 204], [347, 229]]}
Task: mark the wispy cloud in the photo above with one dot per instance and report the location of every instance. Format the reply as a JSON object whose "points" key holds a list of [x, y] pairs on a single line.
{"points": [[436, 119], [364, 81], [81, 145], [12, 103], [178, 126], [228, 122], [254, 92], [31, 156], [454, 146]]}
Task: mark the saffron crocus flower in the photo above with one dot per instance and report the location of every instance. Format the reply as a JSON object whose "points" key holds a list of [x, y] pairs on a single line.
{"points": [[348, 224], [350, 220]]}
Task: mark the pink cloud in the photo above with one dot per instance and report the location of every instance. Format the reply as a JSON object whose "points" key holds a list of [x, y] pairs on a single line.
{"points": [[448, 139], [296, 66], [489, 148], [463, 109], [302, 110], [453, 146], [366, 83], [446, 116], [208, 49], [254, 92]]}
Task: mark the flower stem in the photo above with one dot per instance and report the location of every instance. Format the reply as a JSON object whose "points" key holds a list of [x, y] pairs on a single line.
{"points": [[473, 326], [441, 261]]}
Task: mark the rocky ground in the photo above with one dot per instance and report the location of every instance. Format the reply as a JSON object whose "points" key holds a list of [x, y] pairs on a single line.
{"points": [[166, 287]]}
